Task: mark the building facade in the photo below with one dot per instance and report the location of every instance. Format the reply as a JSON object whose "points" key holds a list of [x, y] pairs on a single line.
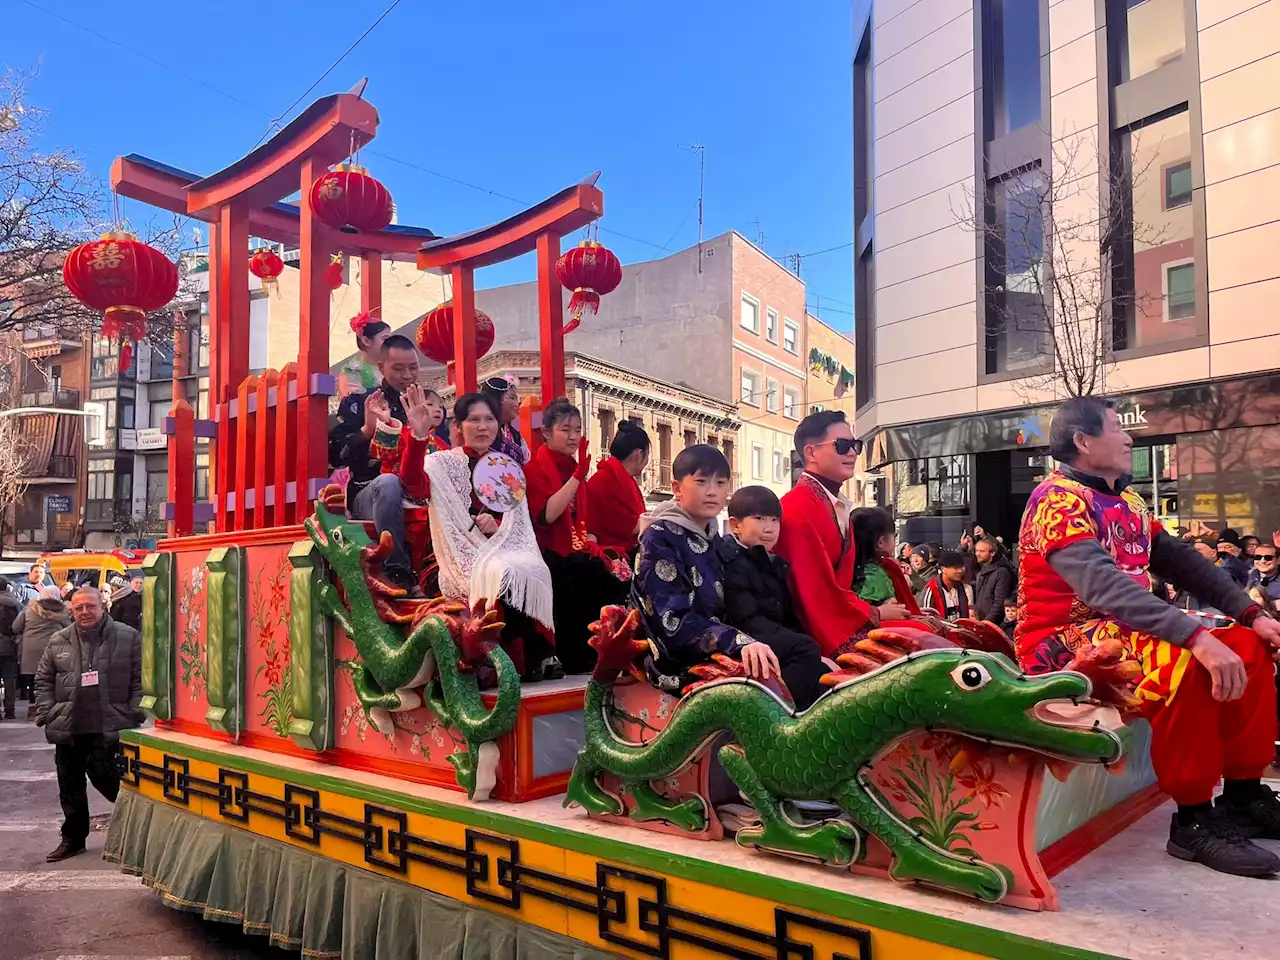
{"points": [[722, 321], [674, 416], [829, 384], [1055, 197]]}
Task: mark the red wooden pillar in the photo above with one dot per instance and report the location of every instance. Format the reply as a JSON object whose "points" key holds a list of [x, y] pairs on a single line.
{"points": [[231, 321], [217, 461], [182, 469], [313, 350], [285, 448], [264, 450], [550, 318], [371, 284], [464, 329]]}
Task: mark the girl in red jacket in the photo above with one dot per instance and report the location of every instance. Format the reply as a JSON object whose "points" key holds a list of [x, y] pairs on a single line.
{"points": [[584, 578]]}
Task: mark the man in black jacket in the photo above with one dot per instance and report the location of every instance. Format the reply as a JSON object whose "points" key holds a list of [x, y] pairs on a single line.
{"points": [[88, 687], [995, 583], [9, 610], [372, 494], [756, 596]]}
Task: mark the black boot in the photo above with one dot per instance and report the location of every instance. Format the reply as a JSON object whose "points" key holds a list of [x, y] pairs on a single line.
{"points": [[64, 850], [1257, 815], [1216, 840]]}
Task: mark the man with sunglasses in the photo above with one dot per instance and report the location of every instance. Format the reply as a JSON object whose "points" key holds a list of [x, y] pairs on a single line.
{"points": [[1264, 581], [817, 540]]}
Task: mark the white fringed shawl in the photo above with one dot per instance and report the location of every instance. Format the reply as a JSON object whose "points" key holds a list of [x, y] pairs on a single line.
{"points": [[507, 565]]}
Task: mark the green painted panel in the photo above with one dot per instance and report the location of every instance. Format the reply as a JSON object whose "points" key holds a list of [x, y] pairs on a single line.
{"points": [[311, 650], [158, 572], [225, 608]]}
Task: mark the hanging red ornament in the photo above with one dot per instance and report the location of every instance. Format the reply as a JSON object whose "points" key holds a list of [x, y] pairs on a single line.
{"points": [[435, 335], [350, 200], [591, 271], [267, 267], [126, 355], [124, 278], [333, 273]]}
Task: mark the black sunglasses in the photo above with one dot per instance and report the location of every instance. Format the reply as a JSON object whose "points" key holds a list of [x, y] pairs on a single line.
{"points": [[1264, 557], [844, 445]]}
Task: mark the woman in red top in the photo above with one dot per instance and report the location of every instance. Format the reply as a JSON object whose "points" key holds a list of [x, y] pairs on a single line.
{"points": [[613, 494], [582, 576]]}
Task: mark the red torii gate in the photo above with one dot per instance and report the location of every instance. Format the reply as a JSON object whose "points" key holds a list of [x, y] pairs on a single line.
{"points": [[242, 200]]}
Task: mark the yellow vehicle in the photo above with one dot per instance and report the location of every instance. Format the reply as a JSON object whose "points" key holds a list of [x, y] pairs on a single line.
{"points": [[79, 567]]}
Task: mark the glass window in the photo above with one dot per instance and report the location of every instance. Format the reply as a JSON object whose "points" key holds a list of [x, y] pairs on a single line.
{"points": [[790, 337], [1155, 34], [791, 404], [1177, 184], [750, 314], [751, 388], [1017, 335], [864, 325], [101, 479], [1179, 291], [126, 414], [1013, 68], [863, 141], [159, 411], [780, 466], [1153, 295], [161, 361], [202, 399], [771, 395], [158, 489], [757, 462], [771, 325], [103, 359]]}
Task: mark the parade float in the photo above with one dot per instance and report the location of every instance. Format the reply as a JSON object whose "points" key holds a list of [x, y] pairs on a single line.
{"points": [[325, 768]]}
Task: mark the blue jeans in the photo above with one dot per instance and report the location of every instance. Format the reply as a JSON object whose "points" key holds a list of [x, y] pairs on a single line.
{"points": [[382, 501]]}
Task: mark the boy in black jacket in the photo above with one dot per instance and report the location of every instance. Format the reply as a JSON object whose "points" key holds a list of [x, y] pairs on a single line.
{"points": [[757, 599]]}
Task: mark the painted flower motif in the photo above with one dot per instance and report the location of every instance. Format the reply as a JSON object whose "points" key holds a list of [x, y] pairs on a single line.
{"points": [[665, 703], [670, 622], [697, 577], [943, 746], [697, 544], [666, 571], [644, 714], [982, 781]]}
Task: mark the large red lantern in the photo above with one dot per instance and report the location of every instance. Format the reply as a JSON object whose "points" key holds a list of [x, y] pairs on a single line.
{"points": [[267, 267], [435, 335], [124, 278], [591, 271], [350, 200]]}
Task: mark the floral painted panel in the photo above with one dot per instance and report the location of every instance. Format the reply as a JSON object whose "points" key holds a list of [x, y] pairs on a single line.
{"points": [[190, 633], [268, 664], [418, 736]]}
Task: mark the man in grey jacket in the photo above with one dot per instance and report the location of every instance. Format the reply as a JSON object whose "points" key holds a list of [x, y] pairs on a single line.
{"points": [[1089, 549], [88, 687]]}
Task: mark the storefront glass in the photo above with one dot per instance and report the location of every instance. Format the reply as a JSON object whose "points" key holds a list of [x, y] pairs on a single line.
{"points": [[1155, 477]]}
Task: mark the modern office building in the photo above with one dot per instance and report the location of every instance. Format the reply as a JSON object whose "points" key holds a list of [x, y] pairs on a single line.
{"points": [[1065, 196]]}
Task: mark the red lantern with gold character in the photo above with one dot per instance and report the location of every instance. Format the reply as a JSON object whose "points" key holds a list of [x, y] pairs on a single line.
{"points": [[332, 276], [435, 335], [350, 200], [124, 278], [267, 267], [591, 271]]}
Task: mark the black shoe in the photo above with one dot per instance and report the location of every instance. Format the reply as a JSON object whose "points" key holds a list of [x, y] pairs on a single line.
{"points": [[1217, 842], [64, 850], [1258, 818]]}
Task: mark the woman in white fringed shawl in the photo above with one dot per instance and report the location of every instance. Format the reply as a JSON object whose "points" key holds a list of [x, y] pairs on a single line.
{"points": [[481, 554]]}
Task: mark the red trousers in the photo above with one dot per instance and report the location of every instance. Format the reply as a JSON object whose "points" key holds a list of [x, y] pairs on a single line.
{"points": [[1196, 741]]}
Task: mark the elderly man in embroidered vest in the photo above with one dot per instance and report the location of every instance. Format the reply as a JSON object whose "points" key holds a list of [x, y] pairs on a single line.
{"points": [[816, 539]]}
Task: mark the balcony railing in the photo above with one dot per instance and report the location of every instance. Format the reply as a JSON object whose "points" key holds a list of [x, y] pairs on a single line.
{"points": [[59, 468], [63, 399]]}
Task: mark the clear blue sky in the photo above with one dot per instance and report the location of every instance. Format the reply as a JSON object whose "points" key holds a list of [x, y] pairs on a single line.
{"points": [[516, 101]]}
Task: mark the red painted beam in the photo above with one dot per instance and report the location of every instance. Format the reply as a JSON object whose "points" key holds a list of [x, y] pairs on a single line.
{"points": [[168, 191], [567, 211], [464, 330], [550, 318], [324, 134], [313, 349]]}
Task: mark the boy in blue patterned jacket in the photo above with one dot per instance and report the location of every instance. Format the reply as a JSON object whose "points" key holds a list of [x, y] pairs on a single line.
{"points": [[679, 582]]}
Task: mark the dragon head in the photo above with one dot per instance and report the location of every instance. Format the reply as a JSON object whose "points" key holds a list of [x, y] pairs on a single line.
{"points": [[339, 541], [983, 695]]}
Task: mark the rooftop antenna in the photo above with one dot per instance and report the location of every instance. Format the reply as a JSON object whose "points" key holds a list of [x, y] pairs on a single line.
{"points": [[701, 151]]}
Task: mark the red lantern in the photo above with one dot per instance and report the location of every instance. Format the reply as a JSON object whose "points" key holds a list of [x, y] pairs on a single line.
{"points": [[266, 266], [435, 335], [123, 278], [350, 200], [591, 271]]}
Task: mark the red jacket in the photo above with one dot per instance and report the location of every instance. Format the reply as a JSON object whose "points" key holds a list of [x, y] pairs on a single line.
{"points": [[544, 475], [614, 506], [821, 567]]}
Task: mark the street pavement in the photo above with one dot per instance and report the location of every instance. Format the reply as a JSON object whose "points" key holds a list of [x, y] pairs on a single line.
{"points": [[84, 908]]}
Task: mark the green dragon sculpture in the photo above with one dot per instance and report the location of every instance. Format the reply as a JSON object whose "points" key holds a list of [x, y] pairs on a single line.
{"points": [[392, 667], [824, 753]]}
